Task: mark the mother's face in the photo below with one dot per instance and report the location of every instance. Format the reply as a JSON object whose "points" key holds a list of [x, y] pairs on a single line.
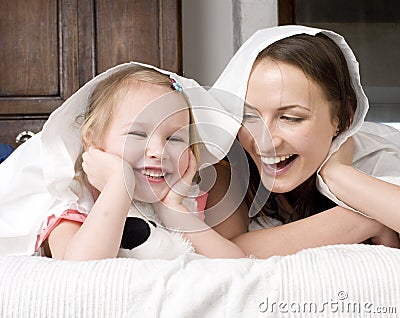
{"points": [[287, 127]]}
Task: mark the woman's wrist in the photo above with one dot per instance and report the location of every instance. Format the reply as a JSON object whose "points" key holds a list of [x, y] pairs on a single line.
{"points": [[333, 175]]}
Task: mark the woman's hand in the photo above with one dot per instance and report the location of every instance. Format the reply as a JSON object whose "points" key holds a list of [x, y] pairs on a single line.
{"points": [[386, 236], [344, 156], [100, 167]]}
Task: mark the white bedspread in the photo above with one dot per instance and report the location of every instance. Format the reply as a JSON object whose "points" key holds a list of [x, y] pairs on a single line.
{"points": [[333, 281]]}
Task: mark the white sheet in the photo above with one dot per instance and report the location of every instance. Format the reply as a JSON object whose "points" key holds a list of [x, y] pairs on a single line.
{"points": [[329, 280]]}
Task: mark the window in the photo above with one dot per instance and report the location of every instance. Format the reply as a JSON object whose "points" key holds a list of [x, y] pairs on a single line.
{"points": [[372, 29]]}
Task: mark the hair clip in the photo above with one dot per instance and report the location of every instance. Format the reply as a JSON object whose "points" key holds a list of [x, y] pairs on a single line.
{"points": [[175, 85]]}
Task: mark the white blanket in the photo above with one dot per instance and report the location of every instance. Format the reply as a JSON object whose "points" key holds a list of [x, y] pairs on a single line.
{"points": [[332, 281]]}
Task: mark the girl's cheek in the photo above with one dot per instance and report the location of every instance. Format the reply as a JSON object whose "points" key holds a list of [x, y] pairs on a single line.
{"points": [[183, 161], [133, 150]]}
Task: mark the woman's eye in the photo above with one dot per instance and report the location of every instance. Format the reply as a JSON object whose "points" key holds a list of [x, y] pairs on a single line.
{"points": [[292, 119], [250, 117], [138, 134]]}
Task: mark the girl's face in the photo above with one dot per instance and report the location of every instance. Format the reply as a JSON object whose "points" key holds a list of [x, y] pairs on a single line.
{"points": [[150, 130], [287, 127]]}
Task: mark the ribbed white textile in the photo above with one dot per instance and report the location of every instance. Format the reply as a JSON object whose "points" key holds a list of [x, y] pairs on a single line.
{"points": [[332, 281]]}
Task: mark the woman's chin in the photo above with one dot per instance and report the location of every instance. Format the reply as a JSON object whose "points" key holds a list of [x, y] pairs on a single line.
{"points": [[277, 186]]}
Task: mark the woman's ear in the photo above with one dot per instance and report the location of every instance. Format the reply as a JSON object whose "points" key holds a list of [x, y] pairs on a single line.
{"points": [[336, 127], [337, 132], [351, 112]]}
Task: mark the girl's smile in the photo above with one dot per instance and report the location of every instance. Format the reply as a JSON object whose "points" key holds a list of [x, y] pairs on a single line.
{"points": [[149, 129], [152, 174]]}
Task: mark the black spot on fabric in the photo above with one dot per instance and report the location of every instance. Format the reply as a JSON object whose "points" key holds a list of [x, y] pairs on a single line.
{"points": [[153, 223], [136, 232]]}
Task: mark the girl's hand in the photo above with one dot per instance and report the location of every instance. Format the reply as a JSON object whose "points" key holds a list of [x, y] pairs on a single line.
{"points": [[170, 208], [100, 167], [179, 190]]}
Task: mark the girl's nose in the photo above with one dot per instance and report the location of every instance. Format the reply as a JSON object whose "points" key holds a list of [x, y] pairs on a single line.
{"points": [[155, 148]]}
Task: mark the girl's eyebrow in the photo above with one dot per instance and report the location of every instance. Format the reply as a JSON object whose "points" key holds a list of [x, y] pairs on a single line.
{"points": [[134, 123]]}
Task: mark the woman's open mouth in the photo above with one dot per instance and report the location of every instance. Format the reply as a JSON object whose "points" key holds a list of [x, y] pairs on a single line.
{"points": [[276, 166]]}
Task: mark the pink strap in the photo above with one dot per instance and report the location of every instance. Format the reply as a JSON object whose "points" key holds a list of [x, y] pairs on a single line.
{"points": [[53, 221], [201, 204], [76, 216]]}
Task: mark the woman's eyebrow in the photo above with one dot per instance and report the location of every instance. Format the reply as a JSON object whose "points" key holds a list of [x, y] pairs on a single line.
{"points": [[282, 108], [246, 105], [287, 107]]}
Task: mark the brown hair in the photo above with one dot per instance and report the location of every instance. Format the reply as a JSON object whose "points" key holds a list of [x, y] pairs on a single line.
{"points": [[323, 62]]}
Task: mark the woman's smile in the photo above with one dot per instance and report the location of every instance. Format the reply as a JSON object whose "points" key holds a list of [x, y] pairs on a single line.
{"points": [[276, 166], [287, 126]]}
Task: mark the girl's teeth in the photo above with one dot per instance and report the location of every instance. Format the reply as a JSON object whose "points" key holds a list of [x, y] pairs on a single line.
{"points": [[274, 160], [153, 174]]}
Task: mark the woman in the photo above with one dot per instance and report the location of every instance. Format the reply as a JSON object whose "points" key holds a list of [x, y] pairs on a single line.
{"points": [[303, 100]]}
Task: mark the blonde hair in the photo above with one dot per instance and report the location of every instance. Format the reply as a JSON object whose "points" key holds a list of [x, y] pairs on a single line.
{"points": [[105, 96]]}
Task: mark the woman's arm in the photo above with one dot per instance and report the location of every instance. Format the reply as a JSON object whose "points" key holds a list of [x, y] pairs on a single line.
{"points": [[376, 198], [334, 226], [100, 235]]}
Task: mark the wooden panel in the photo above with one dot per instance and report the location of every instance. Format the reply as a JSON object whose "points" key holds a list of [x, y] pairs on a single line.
{"points": [[171, 35], [86, 35], [50, 48], [29, 48], [11, 128], [126, 30], [143, 31], [38, 56], [286, 12]]}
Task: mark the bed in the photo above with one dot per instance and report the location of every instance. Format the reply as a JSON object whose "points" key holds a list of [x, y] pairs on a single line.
{"points": [[331, 281]]}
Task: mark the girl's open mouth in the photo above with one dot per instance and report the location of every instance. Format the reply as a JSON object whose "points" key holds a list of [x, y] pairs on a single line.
{"points": [[152, 175]]}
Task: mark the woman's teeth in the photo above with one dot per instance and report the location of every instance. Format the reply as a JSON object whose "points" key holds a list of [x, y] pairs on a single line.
{"points": [[152, 173], [274, 160]]}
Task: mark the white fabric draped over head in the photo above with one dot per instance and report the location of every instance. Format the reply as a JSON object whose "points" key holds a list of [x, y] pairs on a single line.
{"points": [[380, 156]]}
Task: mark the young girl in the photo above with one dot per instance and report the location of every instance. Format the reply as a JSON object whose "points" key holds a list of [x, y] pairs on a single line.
{"points": [[303, 100], [137, 165]]}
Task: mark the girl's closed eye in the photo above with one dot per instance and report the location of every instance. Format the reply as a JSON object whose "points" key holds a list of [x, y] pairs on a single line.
{"points": [[136, 133], [176, 138]]}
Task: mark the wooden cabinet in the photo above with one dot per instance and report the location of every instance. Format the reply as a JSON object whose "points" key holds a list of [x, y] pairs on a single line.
{"points": [[50, 48]]}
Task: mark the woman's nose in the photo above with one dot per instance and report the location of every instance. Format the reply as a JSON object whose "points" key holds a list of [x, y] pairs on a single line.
{"points": [[268, 138]]}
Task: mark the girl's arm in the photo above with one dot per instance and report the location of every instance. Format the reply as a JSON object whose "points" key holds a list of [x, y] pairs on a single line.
{"points": [[334, 226], [175, 216], [100, 235], [376, 198]]}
